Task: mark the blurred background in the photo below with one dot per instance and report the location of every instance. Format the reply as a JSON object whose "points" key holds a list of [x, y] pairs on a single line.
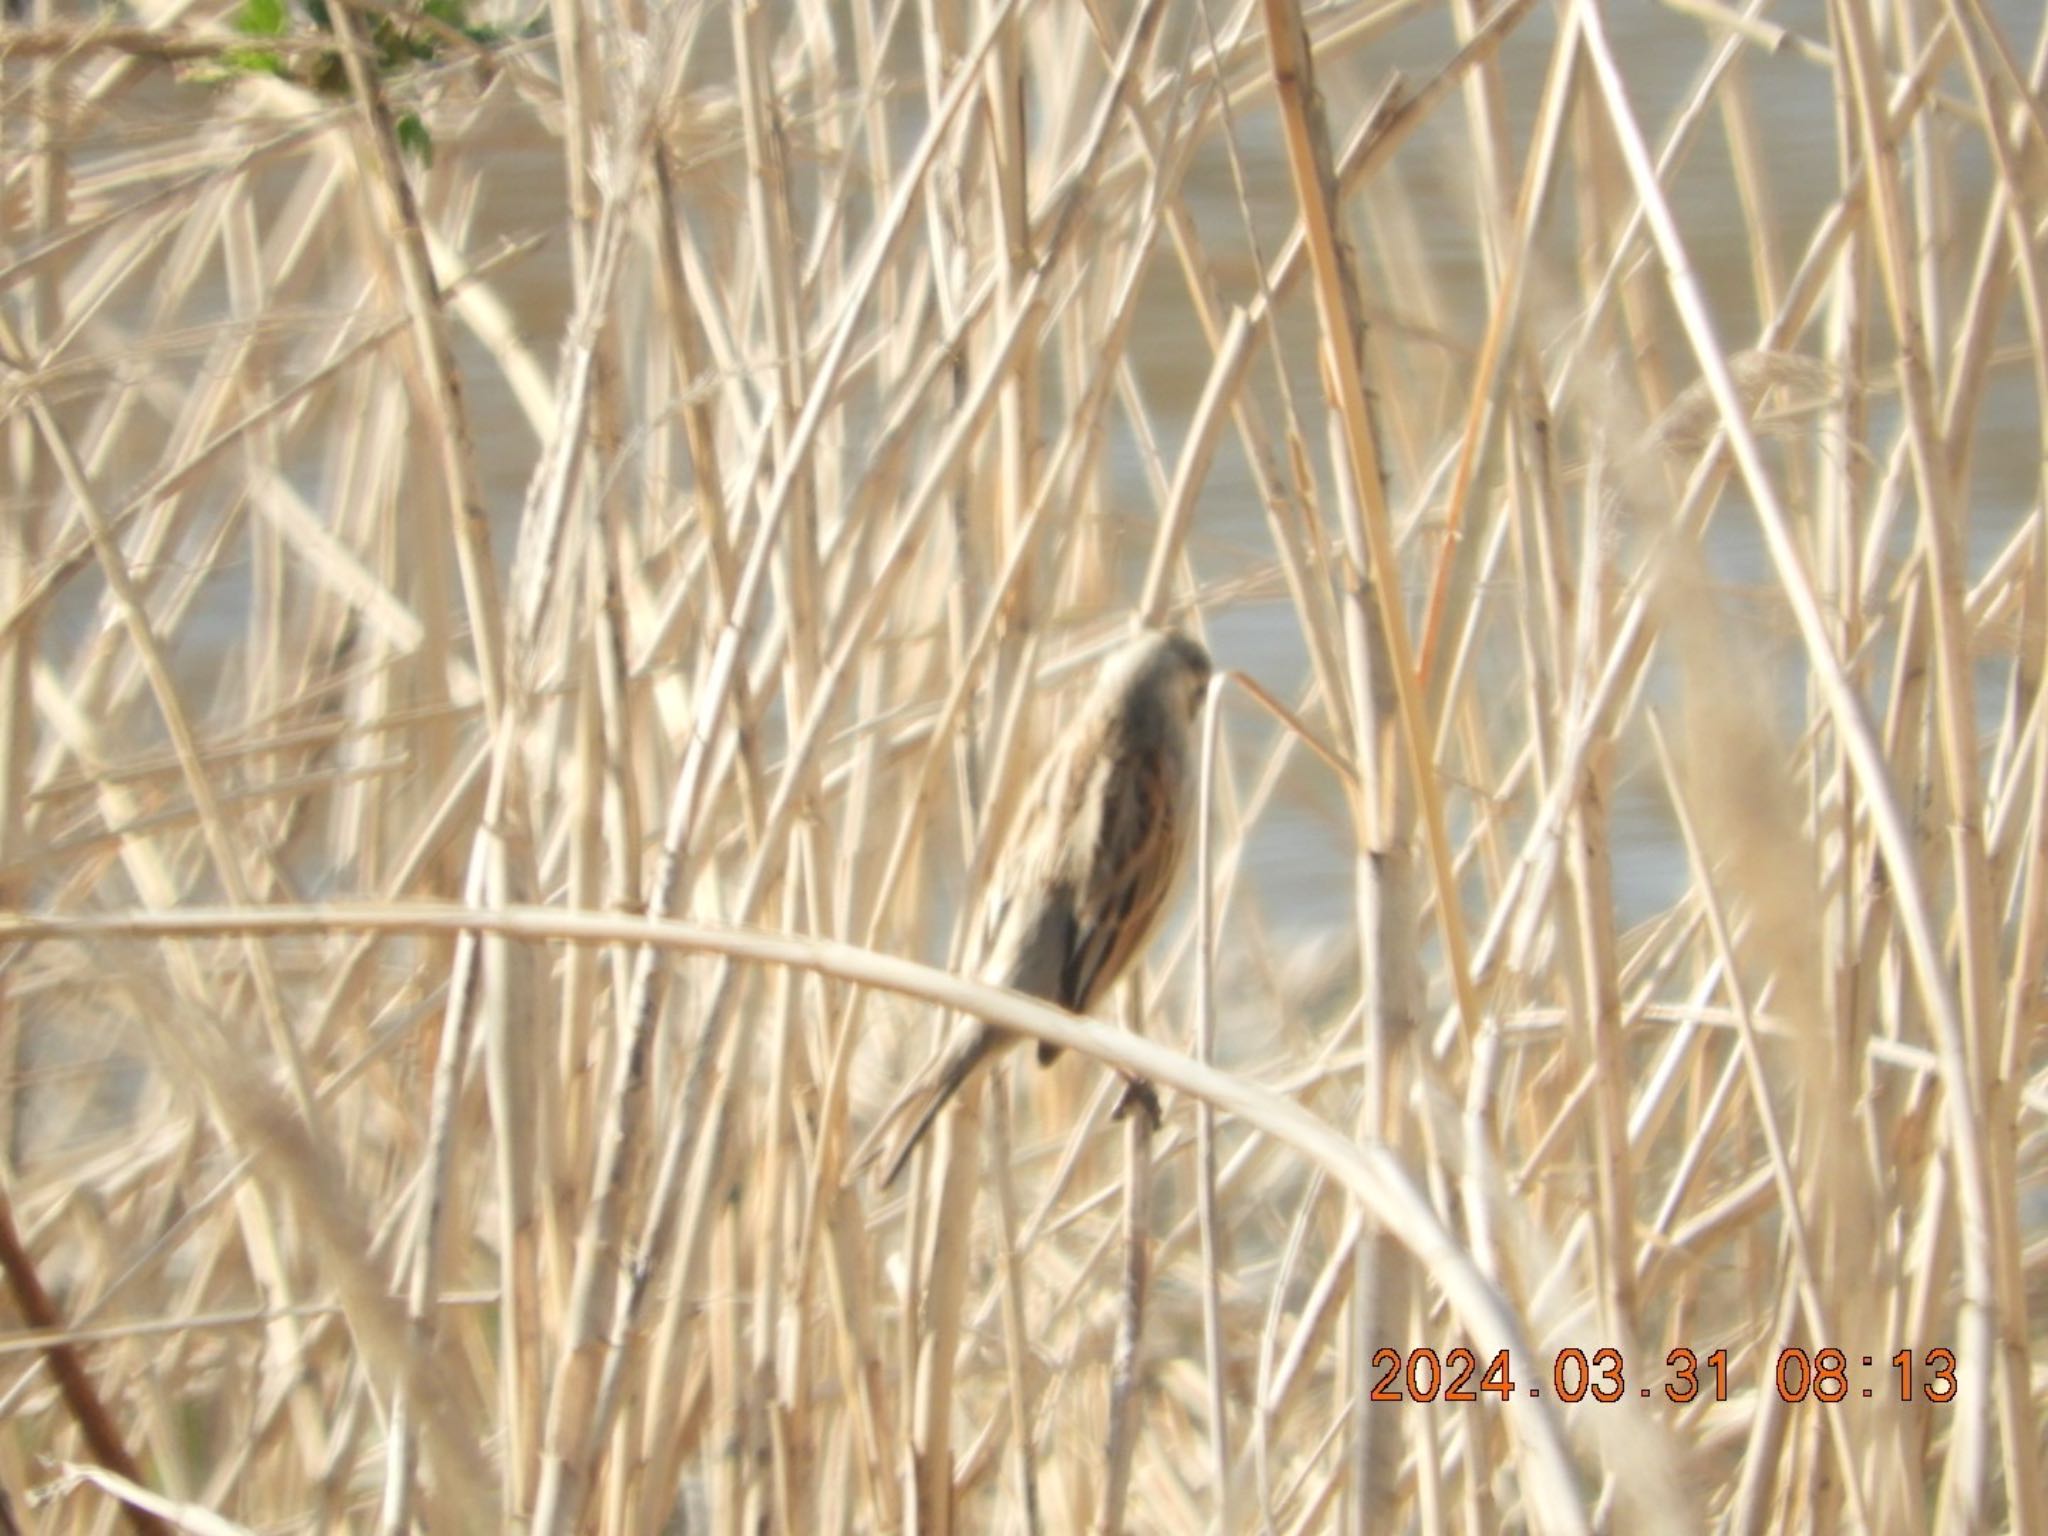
{"points": [[684, 460]]}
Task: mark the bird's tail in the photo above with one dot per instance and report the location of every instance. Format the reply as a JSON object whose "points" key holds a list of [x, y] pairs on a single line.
{"points": [[904, 1123]]}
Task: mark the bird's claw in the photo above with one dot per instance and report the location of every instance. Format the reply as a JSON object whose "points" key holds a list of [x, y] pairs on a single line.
{"points": [[1142, 1094]]}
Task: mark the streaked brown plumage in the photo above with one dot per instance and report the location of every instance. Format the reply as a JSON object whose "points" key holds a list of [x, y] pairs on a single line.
{"points": [[1088, 867]]}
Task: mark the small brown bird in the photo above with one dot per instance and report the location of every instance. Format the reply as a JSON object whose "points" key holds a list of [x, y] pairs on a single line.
{"points": [[1089, 864]]}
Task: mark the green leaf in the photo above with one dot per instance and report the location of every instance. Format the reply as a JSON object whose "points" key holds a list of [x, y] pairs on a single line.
{"points": [[414, 139], [254, 61], [261, 18]]}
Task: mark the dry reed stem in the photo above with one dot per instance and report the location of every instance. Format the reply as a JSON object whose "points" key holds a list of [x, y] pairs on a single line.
{"points": [[1961, 1102], [835, 384]]}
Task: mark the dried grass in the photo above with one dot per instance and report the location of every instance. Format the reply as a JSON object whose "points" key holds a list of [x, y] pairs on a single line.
{"points": [[511, 672]]}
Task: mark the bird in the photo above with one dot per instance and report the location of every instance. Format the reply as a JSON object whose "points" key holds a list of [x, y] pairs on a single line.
{"points": [[1085, 873]]}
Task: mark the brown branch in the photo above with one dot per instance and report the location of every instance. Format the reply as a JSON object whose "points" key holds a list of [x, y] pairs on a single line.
{"points": [[94, 1422]]}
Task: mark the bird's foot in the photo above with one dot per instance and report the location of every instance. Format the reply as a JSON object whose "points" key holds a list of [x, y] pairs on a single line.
{"points": [[1140, 1093]]}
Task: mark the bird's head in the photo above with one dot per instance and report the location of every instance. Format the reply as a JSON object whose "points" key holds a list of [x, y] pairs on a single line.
{"points": [[1188, 671], [1160, 672]]}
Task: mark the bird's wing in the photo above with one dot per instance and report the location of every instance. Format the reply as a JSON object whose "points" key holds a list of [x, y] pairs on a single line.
{"points": [[1027, 925], [1091, 864], [1129, 871]]}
